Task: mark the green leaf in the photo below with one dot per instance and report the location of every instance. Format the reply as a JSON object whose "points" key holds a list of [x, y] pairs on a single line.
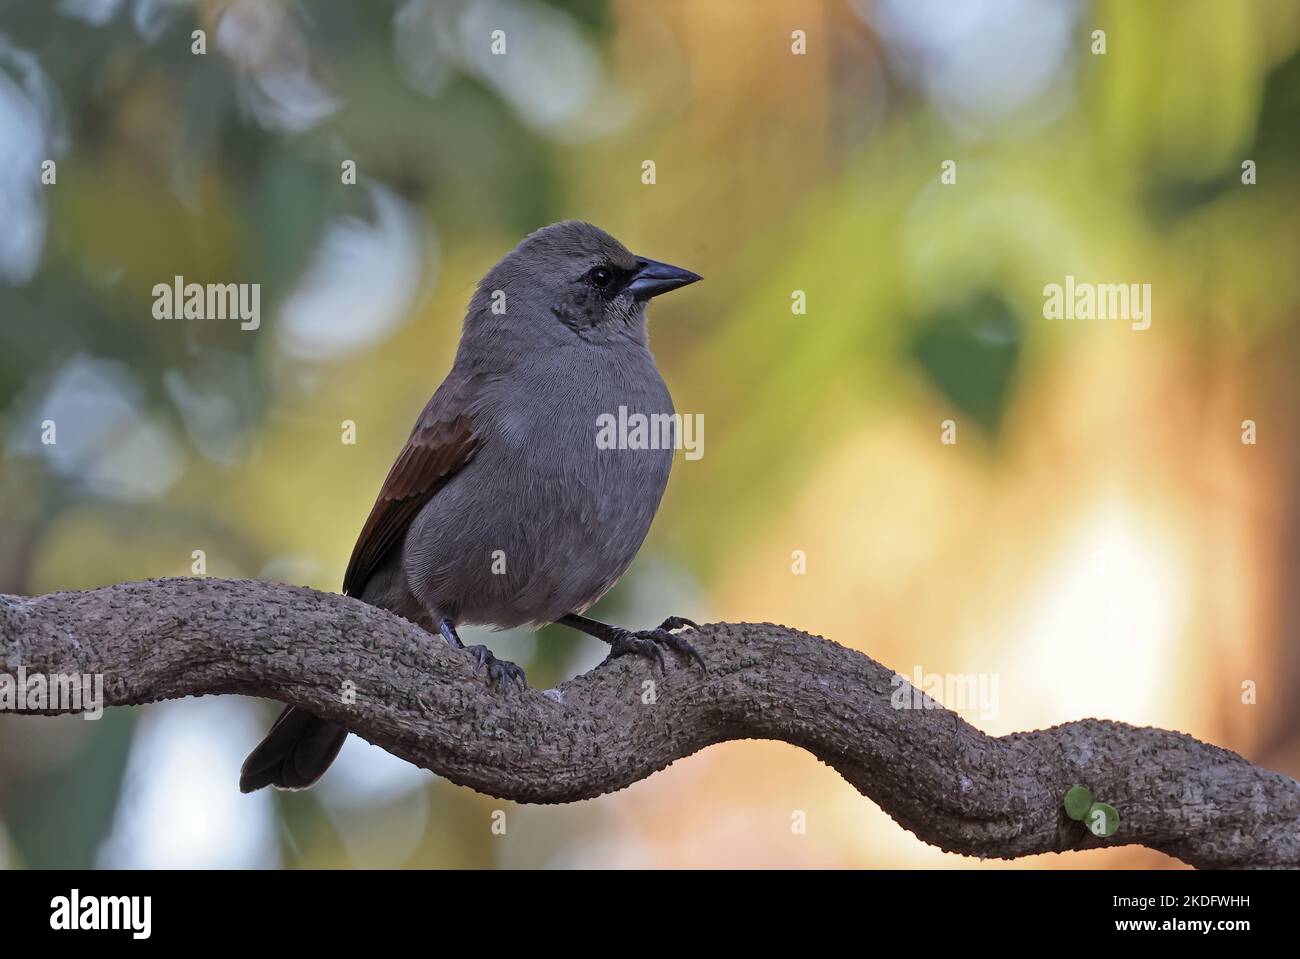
{"points": [[1103, 820], [970, 352], [1077, 802]]}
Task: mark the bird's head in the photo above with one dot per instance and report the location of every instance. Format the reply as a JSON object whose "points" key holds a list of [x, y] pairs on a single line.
{"points": [[572, 280]]}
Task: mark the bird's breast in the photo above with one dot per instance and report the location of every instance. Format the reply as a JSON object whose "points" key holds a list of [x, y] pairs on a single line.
{"points": [[567, 482]]}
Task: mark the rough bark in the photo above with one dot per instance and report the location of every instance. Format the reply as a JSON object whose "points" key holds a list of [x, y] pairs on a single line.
{"points": [[935, 774]]}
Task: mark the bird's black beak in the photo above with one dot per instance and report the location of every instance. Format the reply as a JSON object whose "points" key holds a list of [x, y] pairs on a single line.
{"points": [[653, 278]]}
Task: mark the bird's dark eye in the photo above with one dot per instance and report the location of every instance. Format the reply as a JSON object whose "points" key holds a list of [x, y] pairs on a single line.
{"points": [[602, 276]]}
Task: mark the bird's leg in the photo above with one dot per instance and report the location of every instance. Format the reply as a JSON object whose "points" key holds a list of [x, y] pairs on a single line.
{"points": [[448, 630], [646, 642], [500, 673]]}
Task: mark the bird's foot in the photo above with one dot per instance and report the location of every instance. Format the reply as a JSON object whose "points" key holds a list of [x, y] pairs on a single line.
{"points": [[651, 642], [500, 672]]}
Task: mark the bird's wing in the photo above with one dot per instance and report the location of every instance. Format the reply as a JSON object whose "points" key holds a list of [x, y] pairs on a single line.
{"points": [[442, 442]]}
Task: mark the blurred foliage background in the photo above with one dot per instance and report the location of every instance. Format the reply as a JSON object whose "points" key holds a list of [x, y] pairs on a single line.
{"points": [[1099, 539]]}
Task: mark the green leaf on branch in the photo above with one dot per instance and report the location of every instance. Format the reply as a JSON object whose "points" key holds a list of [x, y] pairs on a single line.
{"points": [[1077, 802]]}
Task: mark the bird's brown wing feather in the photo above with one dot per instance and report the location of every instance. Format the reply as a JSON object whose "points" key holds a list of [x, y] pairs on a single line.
{"points": [[442, 442]]}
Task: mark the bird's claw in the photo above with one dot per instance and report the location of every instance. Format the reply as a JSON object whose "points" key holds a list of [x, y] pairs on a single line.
{"points": [[678, 622], [650, 642], [680, 644], [501, 673], [628, 643]]}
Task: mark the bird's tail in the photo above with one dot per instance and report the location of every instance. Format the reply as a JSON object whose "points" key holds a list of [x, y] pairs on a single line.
{"points": [[294, 754]]}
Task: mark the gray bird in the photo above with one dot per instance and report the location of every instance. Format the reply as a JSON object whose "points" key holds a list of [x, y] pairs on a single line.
{"points": [[502, 509]]}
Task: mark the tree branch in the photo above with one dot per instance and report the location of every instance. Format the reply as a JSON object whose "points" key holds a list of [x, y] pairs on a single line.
{"points": [[947, 782]]}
